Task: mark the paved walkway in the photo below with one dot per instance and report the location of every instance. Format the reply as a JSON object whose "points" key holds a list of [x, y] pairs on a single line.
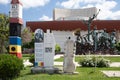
{"points": [[57, 56], [114, 64], [112, 73]]}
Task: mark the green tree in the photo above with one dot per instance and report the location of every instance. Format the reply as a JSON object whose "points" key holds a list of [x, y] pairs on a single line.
{"points": [[27, 38], [4, 31]]}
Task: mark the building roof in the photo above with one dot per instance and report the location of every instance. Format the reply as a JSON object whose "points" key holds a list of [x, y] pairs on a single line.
{"points": [[16, 2], [110, 25]]}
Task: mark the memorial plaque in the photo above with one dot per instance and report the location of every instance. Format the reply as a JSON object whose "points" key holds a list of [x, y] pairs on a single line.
{"points": [[39, 48]]}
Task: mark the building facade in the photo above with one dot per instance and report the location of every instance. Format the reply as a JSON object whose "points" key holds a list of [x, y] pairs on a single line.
{"points": [[74, 14], [64, 29]]}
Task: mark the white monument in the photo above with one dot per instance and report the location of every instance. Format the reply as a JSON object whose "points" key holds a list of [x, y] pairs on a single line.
{"points": [[44, 49], [69, 63], [44, 52], [39, 48], [49, 52]]}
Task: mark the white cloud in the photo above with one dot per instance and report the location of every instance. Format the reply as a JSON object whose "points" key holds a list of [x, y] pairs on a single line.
{"points": [[116, 15], [28, 3], [71, 4], [34, 3], [106, 7], [93, 1], [4, 1], [77, 3], [45, 18]]}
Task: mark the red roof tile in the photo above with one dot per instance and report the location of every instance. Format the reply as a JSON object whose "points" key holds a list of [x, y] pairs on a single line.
{"points": [[72, 25]]}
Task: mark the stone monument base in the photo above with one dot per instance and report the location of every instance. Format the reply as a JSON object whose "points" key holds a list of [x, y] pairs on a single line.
{"points": [[48, 70], [73, 73]]}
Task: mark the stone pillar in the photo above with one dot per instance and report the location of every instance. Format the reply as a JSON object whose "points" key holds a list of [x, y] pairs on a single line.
{"points": [[49, 52], [69, 63]]}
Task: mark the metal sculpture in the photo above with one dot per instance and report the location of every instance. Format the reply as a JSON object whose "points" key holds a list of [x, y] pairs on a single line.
{"points": [[100, 41]]}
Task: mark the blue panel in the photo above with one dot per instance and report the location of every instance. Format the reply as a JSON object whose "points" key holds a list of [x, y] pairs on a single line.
{"points": [[36, 64], [15, 40]]}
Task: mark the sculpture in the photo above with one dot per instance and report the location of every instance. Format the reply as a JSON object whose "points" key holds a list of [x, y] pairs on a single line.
{"points": [[100, 41], [69, 63]]}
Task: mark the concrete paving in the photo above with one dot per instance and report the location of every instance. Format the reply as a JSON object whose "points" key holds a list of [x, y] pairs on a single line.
{"points": [[27, 63], [61, 63], [115, 64], [112, 73], [58, 56]]}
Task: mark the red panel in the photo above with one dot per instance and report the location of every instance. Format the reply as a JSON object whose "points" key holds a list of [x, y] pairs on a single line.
{"points": [[19, 55], [16, 20], [16, 2]]}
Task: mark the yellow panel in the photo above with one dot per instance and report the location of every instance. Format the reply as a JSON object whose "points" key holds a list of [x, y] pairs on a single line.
{"points": [[41, 64], [15, 48]]}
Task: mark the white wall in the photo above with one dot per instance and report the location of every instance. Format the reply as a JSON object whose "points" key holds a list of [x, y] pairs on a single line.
{"points": [[62, 36], [73, 14]]}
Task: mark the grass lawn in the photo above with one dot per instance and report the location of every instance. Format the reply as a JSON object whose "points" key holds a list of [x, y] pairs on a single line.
{"points": [[84, 74], [26, 56]]}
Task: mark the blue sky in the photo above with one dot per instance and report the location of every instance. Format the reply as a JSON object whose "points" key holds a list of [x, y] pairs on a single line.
{"points": [[42, 10]]}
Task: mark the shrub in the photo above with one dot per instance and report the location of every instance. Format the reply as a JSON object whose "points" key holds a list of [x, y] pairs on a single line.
{"points": [[94, 61], [103, 62], [32, 58], [57, 48], [10, 66], [118, 46]]}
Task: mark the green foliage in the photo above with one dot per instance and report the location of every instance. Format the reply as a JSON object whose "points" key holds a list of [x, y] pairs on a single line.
{"points": [[118, 46], [29, 45], [4, 31], [32, 58], [10, 66], [57, 48], [84, 74], [94, 62]]}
